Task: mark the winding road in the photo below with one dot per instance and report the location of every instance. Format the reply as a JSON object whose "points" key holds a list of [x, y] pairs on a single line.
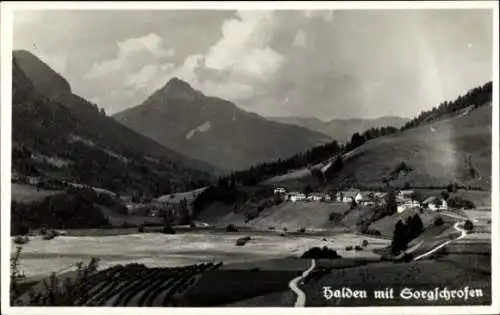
{"points": [[293, 285], [457, 227]]}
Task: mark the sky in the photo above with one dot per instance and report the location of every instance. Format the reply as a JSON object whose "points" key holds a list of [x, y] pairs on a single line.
{"points": [[326, 63]]}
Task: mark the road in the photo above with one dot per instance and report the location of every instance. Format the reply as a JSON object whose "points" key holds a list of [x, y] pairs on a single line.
{"points": [[293, 285], [457, 227]]}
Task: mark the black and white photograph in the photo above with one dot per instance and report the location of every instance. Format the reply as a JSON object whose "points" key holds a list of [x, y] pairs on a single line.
{"points": [[211, 155]]}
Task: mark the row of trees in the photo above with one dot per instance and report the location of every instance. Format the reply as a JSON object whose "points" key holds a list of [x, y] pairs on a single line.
{"points": [[476, 97], [405, 232]]}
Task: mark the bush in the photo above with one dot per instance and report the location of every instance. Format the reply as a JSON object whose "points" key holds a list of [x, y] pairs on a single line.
{"points": [[468, 226], [373, 232], [43, 229], [332, 217], [242, 240], [167, 229], [320, 253], [364, 243], [302, 230], [358, 248], [438, 221], [231, 228], [21, 239], [348, 248], [50, 235], [140, 228]]}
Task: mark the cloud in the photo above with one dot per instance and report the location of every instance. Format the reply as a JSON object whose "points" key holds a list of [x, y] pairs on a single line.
{"points": [[300, 39], [322, 63], [150, 45]]}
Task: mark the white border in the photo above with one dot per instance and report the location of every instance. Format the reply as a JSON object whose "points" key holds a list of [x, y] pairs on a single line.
{"points": [[6, 26]]}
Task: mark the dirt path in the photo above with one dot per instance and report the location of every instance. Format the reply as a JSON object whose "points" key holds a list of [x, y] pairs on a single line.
{"points": [[293, 285], [457, 227]]}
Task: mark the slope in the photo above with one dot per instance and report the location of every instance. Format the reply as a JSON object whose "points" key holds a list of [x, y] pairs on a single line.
{"points": [[213, 129], [52, 140], [456, 148], [49, 83]]}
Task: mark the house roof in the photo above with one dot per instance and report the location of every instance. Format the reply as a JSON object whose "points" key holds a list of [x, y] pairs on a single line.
{"points": [[405, 192]]}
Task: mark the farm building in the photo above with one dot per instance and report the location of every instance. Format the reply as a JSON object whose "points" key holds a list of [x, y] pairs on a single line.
{"points": [[408, 205], [32, 180], [435, 203], [405, 194], [294, 196], [347, 196], [279, 190], [318, 197]]}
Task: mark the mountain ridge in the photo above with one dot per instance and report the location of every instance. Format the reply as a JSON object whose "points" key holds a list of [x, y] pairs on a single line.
{"points": [[235, 139], [94, 148]]}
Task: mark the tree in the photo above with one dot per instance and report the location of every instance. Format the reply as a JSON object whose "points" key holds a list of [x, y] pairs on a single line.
{"points": [[353, 203], [391, 204], [399, 238], [415, 227], [357, 140], [307, 190], [452, 188], [184, 215], [438, 221], [445, 195], [468, 226]]}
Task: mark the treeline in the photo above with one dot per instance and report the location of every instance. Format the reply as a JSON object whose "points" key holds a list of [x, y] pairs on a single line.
{"points": [[476, 97], [63, 211], [265, 170]]}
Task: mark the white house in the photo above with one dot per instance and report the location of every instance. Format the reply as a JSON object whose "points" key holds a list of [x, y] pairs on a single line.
{"points": [[296, 197], [435, 204], [347, 196], [32, 180], [318, 197], [405, 194], [314, 197], [408, 205]]}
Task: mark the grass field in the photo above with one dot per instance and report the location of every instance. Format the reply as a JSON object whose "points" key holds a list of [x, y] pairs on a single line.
{"points": [[27, 193], [177, 197], [42, 257], [289, 215]]}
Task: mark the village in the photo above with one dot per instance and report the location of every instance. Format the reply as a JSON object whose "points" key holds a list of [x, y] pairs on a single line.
{"points": [[405, 199]]}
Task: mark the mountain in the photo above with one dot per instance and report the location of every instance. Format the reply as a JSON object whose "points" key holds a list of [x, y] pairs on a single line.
{"points": [[59, 134], [213, 129], [342, 129]]}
